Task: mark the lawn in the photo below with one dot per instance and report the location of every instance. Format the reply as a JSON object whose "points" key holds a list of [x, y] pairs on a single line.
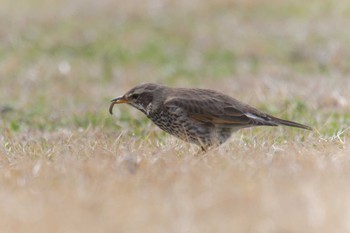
{"points": [[66, 165]]}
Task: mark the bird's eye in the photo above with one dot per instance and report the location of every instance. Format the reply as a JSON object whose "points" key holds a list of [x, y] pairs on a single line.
{"points": [[134, 96]]}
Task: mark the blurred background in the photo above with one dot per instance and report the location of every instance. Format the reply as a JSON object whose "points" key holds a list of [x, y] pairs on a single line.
{"points": [[66, 165], [62, 61]]}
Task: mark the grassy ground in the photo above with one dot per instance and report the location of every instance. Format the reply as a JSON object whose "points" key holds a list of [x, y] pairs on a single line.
{"points": [[67, 166]]}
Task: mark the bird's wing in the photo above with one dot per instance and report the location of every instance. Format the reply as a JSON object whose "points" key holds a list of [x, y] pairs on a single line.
{"points": [[218, 109]]}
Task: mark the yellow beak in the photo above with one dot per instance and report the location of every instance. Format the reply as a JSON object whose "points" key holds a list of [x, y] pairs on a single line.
{"points": [[118, 100]]}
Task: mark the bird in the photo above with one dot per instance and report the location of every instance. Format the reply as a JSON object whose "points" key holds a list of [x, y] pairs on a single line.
{"points": [[201, 116]]}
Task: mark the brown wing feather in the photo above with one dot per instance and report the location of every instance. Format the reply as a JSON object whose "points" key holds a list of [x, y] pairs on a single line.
{"points": [[212, 107], [218, 120], [209, 107]]}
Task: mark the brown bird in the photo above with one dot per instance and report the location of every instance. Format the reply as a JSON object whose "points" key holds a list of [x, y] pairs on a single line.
{"points": [[204, 117]]}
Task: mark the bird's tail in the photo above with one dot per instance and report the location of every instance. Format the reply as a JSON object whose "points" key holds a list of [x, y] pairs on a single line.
{"points": [[268, 120], [290, 123]]}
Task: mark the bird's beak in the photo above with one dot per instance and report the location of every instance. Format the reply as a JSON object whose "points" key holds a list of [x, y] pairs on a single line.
{"points": [[118, 100]]}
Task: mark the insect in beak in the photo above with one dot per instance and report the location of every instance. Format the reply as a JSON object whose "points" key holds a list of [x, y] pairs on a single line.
{"points": [[118, 100]]}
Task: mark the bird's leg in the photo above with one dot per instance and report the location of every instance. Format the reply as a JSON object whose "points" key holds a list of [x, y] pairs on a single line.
{"points": [[204, 150], [201, 152]]}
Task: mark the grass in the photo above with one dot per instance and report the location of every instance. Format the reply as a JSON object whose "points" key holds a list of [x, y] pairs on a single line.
{"points": [[68, 166]]}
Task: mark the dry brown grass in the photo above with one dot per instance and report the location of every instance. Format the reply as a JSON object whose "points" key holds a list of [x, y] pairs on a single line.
{"points": [[67, 166], [89, 181]]}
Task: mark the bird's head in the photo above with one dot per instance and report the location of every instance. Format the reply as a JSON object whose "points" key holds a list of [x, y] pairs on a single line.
{"points": [[140, 97]]}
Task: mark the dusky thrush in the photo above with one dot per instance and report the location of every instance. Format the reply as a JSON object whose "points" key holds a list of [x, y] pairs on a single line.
{"points": [[204, 117]]}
